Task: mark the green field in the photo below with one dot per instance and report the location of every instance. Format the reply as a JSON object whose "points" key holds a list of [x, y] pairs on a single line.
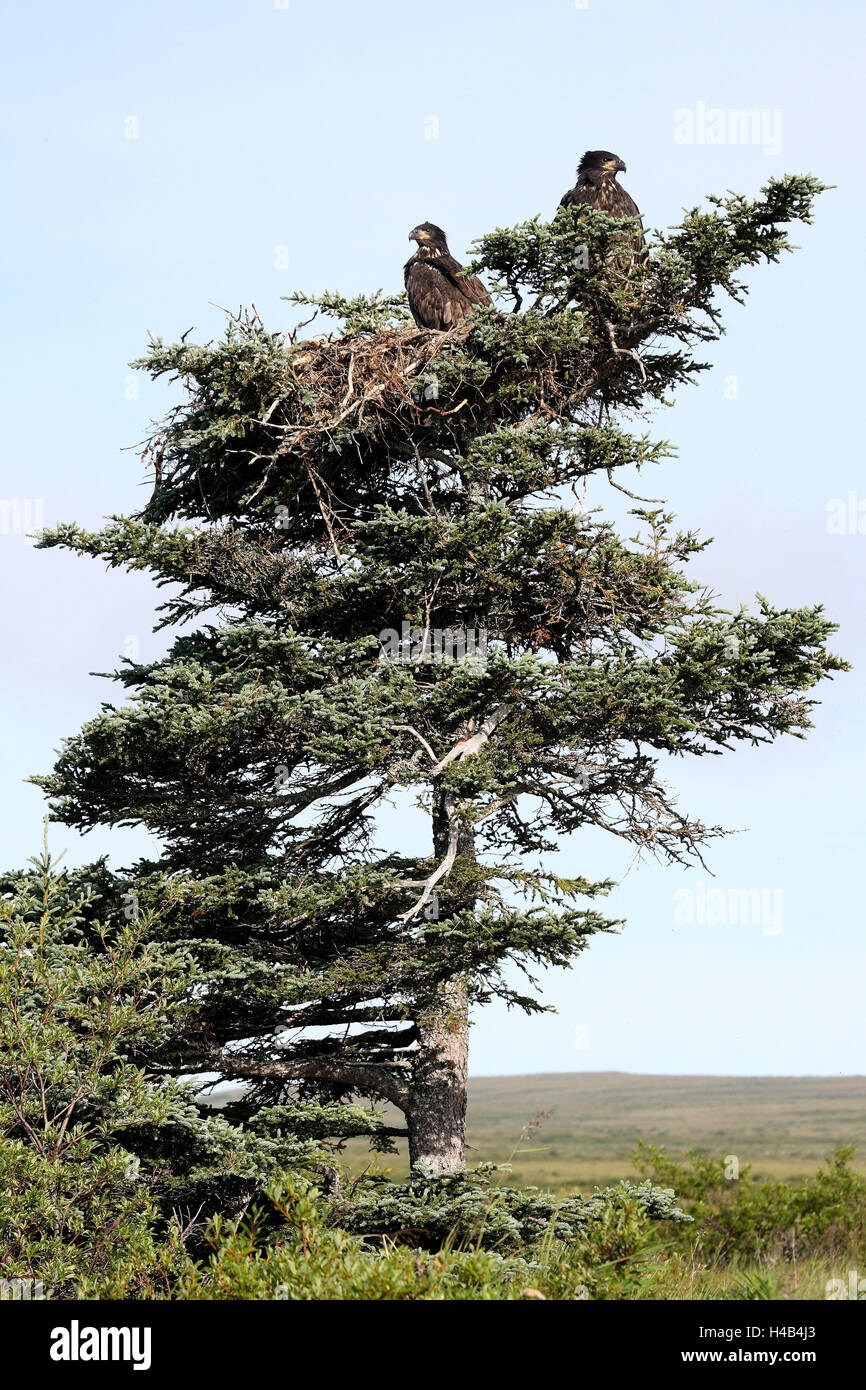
{"points": [[590, 1122]]}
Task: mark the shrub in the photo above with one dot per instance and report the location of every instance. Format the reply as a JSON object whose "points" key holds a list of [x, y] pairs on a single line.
{"points": [[753, 1219], [570, 1249]]}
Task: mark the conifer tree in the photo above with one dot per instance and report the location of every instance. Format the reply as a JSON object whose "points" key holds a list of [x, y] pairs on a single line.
{"points": [[392, 593]]}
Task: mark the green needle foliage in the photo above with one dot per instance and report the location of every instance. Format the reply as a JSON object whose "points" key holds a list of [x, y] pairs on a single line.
{"points": [[334, 516], [75, 991], [99, 1161]]}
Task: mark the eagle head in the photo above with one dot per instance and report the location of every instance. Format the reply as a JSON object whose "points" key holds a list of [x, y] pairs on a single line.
{"points": [[428, 234], [601, 162]]}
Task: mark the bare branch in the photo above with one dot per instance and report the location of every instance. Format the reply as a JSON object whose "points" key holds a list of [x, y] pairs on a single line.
{"points": [[466, 747], [619, 487], [407, 729], [381, 1077], [439, 873]]}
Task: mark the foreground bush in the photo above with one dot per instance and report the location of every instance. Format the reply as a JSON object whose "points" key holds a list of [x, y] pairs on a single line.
{"points": [[471, 1207], [564, 1250], [101, 1165], [753, 1219]]}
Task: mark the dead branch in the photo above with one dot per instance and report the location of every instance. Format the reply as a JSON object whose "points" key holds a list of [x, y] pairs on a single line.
{"points": [[407, 729], [623, 352], [467, 747], [619, 487], [428, 884]]}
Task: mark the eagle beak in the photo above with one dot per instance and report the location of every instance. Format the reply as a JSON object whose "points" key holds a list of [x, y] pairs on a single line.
{"points": [[620, 167]]}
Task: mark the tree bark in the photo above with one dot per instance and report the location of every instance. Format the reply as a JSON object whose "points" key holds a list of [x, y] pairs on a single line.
{"points": [[436, 1107]]}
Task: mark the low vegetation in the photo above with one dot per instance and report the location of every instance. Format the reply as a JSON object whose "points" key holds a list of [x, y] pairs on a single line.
{"points": [[119, 1184]]}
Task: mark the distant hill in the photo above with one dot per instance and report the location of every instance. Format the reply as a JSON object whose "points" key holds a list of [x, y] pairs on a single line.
{"points": [[782, 1125]]}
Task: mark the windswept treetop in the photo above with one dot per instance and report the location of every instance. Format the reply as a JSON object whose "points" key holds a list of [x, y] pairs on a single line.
{"points": [[267, 419]]}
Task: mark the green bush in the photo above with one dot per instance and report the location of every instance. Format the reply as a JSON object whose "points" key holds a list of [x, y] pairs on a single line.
{"points": [[307, 1259], [99, 1163], [79, 1226], [471, 1207], [748, 1218], [310, 1257]]}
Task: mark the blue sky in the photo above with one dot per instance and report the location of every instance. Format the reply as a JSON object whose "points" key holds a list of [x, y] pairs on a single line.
{"points": [[317, 135]]}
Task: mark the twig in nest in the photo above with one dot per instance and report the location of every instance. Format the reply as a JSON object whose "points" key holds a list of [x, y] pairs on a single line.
{"points": [[457, 408], [348, 396], [305, 323]]}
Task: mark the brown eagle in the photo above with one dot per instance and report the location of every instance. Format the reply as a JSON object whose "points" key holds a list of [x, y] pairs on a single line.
{"points": [[440, 295], [597, 186]]}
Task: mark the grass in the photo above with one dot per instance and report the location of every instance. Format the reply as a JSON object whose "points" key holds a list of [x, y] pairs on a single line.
{"points": [[676, 1278], [580, 1129], [572, 1132]]}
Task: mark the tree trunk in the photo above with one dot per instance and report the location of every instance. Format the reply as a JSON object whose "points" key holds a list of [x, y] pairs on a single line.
{"points": [[436, 1110]]}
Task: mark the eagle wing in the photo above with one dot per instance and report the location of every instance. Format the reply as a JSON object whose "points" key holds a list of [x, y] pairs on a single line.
{"points": [[439, 294], [469, 286], [577, 194]]}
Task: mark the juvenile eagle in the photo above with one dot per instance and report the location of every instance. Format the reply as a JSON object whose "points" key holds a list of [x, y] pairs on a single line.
{"points": [[440, 295], [597, 186]]}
